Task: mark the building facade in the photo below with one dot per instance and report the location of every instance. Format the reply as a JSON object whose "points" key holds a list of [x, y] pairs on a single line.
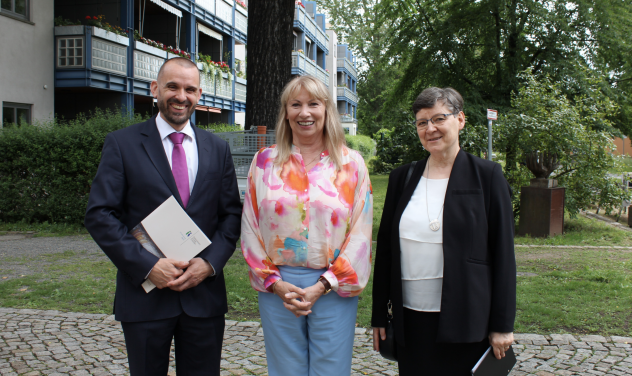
{"points": [[310, 47], [27, 78], [100, 65], [68, 57], [343, 83]]}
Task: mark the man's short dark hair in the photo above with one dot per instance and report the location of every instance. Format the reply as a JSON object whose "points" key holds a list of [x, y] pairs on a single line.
{"points": [[446, 96], [181, 61]]}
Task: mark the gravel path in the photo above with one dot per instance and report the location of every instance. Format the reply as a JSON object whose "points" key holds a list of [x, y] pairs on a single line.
{"points": [[22, 255], [12, 246]]}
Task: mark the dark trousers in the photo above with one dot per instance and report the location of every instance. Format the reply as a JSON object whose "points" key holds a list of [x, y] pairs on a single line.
{"points": [[198, 345], [423, 356]]}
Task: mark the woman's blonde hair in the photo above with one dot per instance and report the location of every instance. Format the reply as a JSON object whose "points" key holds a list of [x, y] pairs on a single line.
{"points": [[332, 131]]}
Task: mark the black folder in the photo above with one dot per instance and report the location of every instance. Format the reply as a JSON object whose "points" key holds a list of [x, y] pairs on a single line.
{"points": [[488, 365]]}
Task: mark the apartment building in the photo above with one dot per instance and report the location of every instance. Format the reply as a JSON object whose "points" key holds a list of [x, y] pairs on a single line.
{"points": [[27, 80], [68, 57], [343, 82]]}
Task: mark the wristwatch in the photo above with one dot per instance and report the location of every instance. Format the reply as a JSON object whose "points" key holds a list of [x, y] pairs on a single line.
{"points": [[325, 283]]}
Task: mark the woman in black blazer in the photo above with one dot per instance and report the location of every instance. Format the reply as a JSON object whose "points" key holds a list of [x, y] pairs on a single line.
{"points": [[445, 253]]}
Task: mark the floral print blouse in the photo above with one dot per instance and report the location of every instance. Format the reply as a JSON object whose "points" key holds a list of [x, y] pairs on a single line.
{"points": [[317, 219]]}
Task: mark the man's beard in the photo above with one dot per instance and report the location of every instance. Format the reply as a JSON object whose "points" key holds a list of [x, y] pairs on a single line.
{"points": [[165, 110]]}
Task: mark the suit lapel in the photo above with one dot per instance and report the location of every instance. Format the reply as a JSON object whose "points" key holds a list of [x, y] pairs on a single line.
{"points": [[155, 150], [204, 154]]}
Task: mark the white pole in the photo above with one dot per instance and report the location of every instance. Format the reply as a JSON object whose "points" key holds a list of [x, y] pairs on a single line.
{"points": [[489, 140]]}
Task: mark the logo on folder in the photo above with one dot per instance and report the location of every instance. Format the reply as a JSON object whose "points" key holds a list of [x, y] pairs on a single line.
{"points": [[188, 234]]}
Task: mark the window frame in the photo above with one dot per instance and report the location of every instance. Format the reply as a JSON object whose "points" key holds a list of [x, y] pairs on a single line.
{"points": [[14, 106], [58, 49], [11, 12]]}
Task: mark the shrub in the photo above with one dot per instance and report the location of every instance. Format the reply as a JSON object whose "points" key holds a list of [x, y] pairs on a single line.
{"points": [[363, 144], [46, 169], [220, 127]]}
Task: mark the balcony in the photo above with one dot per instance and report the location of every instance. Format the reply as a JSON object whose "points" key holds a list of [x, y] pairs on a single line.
{"points": [[347, 119], [301, 66], [147, 61], [344, 93], [343, 62], [88, 56], [313, 31], [219, 13], [214, 86], [240, 89]]}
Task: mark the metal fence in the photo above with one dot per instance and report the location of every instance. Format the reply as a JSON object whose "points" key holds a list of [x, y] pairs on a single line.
{"points": [[244, 145]]}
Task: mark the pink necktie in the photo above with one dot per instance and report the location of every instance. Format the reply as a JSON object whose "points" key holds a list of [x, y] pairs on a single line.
{"points": [[179, 167]]}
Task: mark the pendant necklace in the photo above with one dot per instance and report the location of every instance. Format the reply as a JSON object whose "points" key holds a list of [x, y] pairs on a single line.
{"points": [[435, 225]]}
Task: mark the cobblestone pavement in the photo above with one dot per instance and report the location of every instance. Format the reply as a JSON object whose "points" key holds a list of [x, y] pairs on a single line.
{"points": [[35, 342]]}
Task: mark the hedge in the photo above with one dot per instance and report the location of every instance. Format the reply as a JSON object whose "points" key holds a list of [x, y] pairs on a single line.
{"points": [[363, 144], [46, 169]]}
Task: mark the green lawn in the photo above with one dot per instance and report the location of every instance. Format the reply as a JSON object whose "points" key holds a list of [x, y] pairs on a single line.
{"points": [[583, 231], [379, 183], [43, 229]]}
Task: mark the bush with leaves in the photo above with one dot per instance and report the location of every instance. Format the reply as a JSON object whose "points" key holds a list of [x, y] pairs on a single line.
{"points": [[46, 169], [363, 144], [220, 127], [400, 145], [576, 130]]}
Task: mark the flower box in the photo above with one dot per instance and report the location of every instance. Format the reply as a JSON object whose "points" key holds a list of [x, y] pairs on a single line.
{"points": [[69, 30], [240, 80], [241, 10], [150, 49], [108, 35], [229, 2]]}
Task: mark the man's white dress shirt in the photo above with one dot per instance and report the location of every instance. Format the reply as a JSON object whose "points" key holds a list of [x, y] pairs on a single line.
{"points": [[189, 145]]}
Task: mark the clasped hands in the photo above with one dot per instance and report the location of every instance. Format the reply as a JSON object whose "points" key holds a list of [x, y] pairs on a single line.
{"points": [[297, 300], [179, 275]]}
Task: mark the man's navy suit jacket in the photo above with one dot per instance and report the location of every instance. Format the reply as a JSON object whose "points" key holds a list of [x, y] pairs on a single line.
{"points": [[133, 179]]}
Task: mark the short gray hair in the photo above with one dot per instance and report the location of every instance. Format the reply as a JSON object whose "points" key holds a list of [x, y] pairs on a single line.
{"points": [[446, 96]]}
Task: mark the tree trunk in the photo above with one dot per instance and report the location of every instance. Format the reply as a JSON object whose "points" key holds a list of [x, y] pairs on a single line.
{"points": [[269, 58]]}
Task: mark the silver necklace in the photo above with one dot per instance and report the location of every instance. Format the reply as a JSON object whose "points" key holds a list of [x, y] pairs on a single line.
{"points": [[434, 225]]}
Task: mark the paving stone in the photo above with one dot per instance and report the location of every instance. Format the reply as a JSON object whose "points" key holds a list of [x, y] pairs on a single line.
{"points": [[52, 343]]}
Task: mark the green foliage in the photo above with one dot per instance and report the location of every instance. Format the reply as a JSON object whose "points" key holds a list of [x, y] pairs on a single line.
{"points": [[46, 169], [44, 229], [220, 127], [363, 144], [578, 132]]}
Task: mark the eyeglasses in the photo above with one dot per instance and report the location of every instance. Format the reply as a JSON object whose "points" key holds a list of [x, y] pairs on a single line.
{"points": [[438, 120]]}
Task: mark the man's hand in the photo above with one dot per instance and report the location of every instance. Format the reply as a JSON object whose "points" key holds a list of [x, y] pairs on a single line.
{"points": [[197, 271], [500, 342], [302, 303], [165, 271]]}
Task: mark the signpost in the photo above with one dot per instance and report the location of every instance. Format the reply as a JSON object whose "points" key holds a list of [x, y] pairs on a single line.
{"points": [[491, 115]]}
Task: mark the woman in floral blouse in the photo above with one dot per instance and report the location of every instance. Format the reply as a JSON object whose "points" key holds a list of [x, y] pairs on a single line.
{"points": [[306, 230]]}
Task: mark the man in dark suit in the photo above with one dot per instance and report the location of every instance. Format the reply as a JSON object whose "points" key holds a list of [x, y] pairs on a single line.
{"points": [[142, 166]]}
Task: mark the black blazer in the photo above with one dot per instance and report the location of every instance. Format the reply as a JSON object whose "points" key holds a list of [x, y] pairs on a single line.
{"points": [[133, 179], [479, 272]]}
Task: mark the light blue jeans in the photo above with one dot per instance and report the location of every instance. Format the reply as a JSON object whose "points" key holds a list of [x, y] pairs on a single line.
{"points": [[319, 344]]}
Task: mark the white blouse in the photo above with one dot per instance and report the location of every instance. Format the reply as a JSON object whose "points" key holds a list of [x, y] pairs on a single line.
{"points": [[422, 248]]}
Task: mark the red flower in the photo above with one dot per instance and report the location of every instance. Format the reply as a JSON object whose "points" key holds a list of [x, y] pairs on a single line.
{"points": [[88, 17], [95, 18]]}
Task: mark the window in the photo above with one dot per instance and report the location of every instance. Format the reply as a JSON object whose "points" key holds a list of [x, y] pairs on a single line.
{"points": [[17, 8], [15, 113], [69, 52]]}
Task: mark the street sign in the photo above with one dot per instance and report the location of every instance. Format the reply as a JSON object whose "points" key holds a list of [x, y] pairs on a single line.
{"points": [[492, 114]]}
